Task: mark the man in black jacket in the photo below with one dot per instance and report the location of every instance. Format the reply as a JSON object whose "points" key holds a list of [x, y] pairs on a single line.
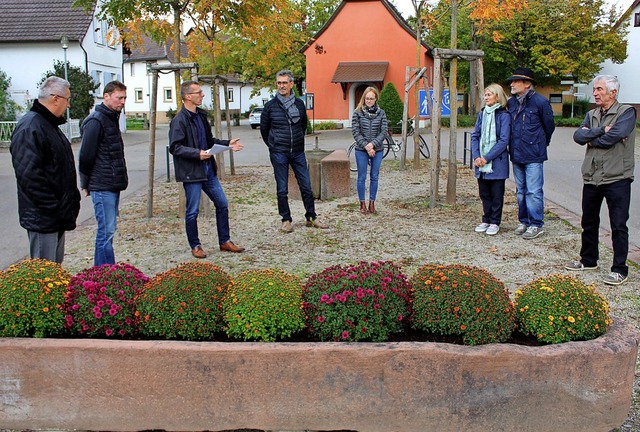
{"points": [[190, 139], [103, 170], [48, 196], [283, 124]]}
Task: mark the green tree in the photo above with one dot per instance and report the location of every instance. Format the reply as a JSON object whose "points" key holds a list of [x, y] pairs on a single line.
{"points": [[82, 88], [8, 108], [392, 105]]}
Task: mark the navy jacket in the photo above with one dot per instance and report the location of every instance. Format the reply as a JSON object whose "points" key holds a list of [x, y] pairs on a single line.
{"points": [[277, 133], [531, 128], [101, 161], [48, 196], [499, 154], [183, 145]]}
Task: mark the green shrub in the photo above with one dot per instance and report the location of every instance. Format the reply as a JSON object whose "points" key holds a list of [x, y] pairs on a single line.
{"points": [[326, 125], [101, 300], [459, 300], [32, 293], [264, 305], [364, 301], [184, 302], [558, 308], [464, 121], [393, 107]]}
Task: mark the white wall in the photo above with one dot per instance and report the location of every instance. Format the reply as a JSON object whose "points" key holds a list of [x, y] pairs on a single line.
{"points": [[626, 72]]}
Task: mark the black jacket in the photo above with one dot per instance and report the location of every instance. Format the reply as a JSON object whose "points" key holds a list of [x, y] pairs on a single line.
{"points": [[277, 133], [183, 145], [48, 196], [101, 164]]}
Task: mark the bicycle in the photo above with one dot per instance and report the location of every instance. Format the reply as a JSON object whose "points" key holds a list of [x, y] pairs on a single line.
{"points": [[393, 145]]}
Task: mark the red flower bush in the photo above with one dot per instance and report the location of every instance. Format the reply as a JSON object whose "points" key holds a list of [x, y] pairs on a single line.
{"points": [[100, 301], [461, 300], [365, 301]]}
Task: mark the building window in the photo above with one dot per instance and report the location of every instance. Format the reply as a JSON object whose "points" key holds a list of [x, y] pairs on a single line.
{"points": [[555, 98], [132, 69], [138, 94], [167, 94], [230, 94], [636, 20], [97, 78]]}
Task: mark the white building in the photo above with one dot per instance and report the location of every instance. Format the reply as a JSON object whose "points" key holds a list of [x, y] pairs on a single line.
{"points": [[138, 82], [30, 42], [627, 72]]}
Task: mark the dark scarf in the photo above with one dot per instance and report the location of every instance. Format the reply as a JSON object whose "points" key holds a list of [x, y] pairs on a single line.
{"points": [[370, 112], [289, 105], [48, 115]]}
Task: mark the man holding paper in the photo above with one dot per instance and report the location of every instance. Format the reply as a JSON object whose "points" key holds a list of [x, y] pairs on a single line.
{"points": [[192, 146]]}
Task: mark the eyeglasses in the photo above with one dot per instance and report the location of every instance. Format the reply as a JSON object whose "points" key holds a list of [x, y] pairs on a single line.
{"points": [[198, 92], [282, 83], [370, 99], [68, 99]]}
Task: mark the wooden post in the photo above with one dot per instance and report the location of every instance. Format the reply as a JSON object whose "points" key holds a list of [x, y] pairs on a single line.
{"points": [[403, 154], [435, 125], [152, 142], [232, 165]]}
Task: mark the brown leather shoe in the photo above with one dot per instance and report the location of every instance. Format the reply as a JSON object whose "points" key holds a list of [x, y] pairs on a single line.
{"points": [[314, 223], [372, 207], [231, 247], [363, 207], [198, 252]]}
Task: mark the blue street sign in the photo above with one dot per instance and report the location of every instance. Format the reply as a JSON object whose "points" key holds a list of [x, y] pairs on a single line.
{"points": [[424, 107]]}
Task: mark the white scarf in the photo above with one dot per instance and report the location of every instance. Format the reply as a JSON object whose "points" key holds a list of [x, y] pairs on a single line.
{"points": [[488, 134]]}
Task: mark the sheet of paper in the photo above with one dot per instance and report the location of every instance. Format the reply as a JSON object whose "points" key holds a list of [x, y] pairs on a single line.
{"points": [[217, 148]]}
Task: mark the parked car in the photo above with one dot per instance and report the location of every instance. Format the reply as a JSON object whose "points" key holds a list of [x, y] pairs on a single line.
{"points": [[254, 117]]}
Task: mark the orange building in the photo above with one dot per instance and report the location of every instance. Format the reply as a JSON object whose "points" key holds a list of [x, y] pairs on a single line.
{"points": [[364, 43]]}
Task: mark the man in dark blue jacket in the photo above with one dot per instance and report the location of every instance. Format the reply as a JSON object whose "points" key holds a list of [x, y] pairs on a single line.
{"points": [[103, 170], [190, 139], [283, 124], [531, 130], [48, 197]]}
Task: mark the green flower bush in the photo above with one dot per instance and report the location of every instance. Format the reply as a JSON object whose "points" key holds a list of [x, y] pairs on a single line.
{"points": [[459, 300], [32, 293], [364, 301], [558, 308], [184, 302], [264, 305], [100, 301]]}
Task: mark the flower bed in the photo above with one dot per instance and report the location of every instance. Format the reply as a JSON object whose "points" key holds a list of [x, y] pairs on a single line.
{"points": [[116, 385]]}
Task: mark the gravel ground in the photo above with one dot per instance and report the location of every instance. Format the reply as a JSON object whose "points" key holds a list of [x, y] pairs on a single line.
{"points": [[405, 230]]}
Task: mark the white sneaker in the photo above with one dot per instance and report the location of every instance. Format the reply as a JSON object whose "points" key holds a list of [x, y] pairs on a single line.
{"points": [[482, 227], [493, 229]]}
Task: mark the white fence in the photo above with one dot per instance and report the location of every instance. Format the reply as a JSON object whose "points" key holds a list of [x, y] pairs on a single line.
{"points": [[71, 130]]}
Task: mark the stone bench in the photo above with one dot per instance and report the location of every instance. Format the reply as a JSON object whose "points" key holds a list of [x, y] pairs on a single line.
{"points": [[329, 172]]}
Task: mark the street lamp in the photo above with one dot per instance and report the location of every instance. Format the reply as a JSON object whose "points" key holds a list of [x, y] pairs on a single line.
{"points": [[64, 41]]}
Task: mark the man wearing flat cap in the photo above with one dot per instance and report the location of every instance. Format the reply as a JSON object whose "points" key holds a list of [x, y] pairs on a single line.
{"points": [[531, 132]]}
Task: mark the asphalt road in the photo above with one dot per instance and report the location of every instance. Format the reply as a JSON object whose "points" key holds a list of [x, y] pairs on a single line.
{"points": [[563, 183]]}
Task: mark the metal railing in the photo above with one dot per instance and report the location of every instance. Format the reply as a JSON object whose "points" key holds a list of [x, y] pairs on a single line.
{"points": [[71, 130]]}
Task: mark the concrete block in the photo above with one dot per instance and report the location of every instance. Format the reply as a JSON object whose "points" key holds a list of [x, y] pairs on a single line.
{"points": [[98, 385], [336, 175]]}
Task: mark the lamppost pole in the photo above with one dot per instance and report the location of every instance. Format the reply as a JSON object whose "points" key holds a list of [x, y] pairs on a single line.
{"points": [[64, 41]]}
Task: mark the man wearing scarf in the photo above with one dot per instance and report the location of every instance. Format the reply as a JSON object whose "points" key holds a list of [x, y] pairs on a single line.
{"points": [[48, 196], [283, 124]]}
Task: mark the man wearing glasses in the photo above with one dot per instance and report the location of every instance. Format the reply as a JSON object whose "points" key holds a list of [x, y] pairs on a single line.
{"points": [[190, 137], [48, 196], [283, 124], [102, 168]]}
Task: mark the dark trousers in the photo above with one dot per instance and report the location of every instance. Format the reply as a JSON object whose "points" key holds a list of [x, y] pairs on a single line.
{"points": [[298, 163], [618, 197], [492, 196]]}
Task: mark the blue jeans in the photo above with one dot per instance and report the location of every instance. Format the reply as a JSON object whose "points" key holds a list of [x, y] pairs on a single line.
{"points": [[105, 207], [362, 161], [618, 197], [213, 189], [298, 162], [529, 182]]}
